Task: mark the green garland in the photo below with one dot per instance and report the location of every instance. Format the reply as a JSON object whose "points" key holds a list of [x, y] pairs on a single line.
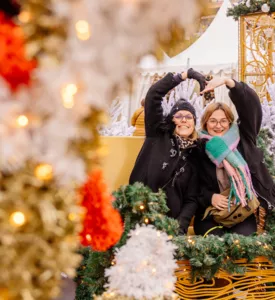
{"points": [[138, 205], [255, 7], [209, 254]]}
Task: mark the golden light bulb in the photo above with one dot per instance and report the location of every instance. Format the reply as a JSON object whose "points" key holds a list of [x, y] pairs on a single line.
{"points": [[24, 16], [83, 30], [88, 237], [68, 102], [113, 262], [145, 263], [69, 89], [68, 92], [22, 121], [142, 207], [72, 216], [146, 220], [44, 172], [17, 219]]}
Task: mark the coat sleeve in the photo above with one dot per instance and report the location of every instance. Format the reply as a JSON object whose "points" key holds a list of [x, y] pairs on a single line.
{"points": [[205, 196], [249, 109], [190, 205], [153, 99]]}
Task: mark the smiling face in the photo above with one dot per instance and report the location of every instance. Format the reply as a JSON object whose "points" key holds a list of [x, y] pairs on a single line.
{"points": [[217, 119], [218, 124], [185, 123]]}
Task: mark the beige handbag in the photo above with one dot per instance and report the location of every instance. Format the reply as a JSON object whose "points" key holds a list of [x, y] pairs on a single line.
{"points": [[237, 213]]}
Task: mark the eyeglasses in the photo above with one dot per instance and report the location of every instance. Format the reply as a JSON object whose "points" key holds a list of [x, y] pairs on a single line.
{"points": [[222, 122], [180, 117]]}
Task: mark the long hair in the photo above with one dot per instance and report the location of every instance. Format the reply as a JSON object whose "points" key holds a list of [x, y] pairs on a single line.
{"points": [[213, 107]]}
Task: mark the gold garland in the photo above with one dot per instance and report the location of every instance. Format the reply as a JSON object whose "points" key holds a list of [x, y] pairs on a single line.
{"points": [[39, 225]]}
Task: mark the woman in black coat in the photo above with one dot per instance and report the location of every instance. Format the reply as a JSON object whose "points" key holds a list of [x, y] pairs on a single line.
{"points": [[167, 158], [217, 121]]}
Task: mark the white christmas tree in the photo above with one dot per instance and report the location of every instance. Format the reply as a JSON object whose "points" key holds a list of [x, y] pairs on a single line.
{"points": [[145, 266], [268, 108], [118, 125]]}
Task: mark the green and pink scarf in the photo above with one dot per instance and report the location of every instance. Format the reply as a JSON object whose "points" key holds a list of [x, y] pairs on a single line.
{"points": [[223, 152]]}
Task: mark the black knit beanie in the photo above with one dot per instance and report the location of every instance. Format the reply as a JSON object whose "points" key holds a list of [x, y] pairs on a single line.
{"points": [[182, 104]]}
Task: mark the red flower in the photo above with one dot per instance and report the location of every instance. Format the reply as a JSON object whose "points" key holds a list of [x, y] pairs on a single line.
{"points": [[14, 67], [102, 224]]}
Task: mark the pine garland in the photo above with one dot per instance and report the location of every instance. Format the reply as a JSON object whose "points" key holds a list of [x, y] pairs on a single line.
{"points": [[207, 255], [255, 7]]}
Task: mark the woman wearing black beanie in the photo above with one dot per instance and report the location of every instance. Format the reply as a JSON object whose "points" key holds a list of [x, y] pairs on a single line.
{"points": [[167, 159]]}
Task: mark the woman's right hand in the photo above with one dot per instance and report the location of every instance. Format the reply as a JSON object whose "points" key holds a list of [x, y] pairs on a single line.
{"points": [[219, 201]]}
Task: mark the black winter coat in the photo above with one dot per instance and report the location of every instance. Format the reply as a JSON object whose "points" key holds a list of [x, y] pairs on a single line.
{"points": [[160, 159], [249, 110]]}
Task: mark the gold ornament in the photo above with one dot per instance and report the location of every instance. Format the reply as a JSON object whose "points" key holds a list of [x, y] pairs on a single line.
{"points": [[177, 39], [38, 240]]}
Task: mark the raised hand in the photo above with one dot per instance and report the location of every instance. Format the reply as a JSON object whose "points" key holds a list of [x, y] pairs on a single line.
{"points": [[192, 74], [214, 83]]}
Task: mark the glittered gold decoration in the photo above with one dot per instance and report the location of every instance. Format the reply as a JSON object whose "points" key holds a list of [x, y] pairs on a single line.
{"points": [[256, 50], [39, 228], [44, 30], [93, 150], [116, 296], [178, 39], [251, 285]]}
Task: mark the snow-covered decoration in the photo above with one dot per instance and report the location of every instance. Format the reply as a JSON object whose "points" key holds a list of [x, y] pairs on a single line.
{"points": [[185, 90], [144, 267], [268, 108], [42, 123], [118, 125]]}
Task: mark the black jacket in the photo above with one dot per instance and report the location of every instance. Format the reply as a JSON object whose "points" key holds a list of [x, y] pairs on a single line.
{"points": [[160, 160], [249, 110]]}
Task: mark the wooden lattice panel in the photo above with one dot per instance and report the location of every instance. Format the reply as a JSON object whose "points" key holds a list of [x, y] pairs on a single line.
{"points": [[257, 283]]}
